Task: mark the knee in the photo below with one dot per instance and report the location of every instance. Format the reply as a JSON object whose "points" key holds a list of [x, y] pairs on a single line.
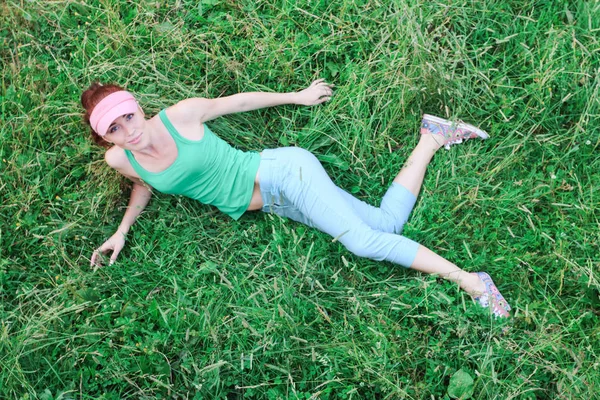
{"points": [[365, 246], [398, 226], [387, 221], [392, 224]]}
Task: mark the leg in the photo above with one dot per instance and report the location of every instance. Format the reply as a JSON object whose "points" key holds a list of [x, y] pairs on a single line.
{"points": [[298, 178], [479, 285], [411, 177], [323, 205], [397, 204], [412, 173], [429, 262], [425, 260], [435, 133]]}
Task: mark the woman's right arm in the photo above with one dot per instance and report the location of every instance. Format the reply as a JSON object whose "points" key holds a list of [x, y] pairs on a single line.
{"points": [[140, 196]]}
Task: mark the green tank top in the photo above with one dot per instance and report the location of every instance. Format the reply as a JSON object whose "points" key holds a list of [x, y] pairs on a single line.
{"points": [[208, 170]]}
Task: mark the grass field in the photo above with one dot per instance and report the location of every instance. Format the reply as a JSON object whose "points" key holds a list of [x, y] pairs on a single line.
{"points": [[199, 306]]}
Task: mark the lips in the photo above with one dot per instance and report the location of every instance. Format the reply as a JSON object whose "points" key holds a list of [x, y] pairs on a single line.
{"points": [[136, 140]]}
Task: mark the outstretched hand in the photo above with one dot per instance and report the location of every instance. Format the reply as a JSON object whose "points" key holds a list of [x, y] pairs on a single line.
{"points": [[115, 243], [318, 92]]}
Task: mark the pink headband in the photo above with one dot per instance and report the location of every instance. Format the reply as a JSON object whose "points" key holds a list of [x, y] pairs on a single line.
{"points": [[110, 108]]}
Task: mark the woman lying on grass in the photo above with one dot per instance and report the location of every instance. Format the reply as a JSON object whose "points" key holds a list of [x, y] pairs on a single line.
{"points": [[175, 152]]}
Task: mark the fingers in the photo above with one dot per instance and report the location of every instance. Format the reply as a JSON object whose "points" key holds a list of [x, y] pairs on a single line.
{"points": [[324, 85], [318, 92], [327, 90], [95, 261], [115, 254], [323, 88], [94, 258], [321, 82], [113, 258], [106, 246]]}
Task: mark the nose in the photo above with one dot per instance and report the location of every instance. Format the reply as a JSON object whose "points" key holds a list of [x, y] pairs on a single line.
{"points": [[129, 132]]}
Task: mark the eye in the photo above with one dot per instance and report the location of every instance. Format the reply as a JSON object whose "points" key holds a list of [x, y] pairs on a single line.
{"points": [[113, 129], [128, 117]]}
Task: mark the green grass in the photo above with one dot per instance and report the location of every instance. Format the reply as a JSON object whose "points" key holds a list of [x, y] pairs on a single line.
{"points": [[202, 307]]}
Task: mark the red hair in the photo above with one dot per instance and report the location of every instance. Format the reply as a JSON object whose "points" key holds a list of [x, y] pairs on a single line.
{"points": [[90, 99]]}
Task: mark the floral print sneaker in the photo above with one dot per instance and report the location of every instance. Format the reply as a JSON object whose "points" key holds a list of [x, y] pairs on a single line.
{"points": [[492, 297], [450, 132]]}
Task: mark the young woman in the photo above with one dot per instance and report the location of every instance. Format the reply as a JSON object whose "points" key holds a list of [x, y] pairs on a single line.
{"points": [[175, 152]]}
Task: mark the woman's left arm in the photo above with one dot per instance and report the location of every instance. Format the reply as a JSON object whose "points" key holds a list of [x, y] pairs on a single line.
{"points": [[206, 109]]}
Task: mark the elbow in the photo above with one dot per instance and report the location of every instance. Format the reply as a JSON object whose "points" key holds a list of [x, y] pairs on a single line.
{"points": [[242, 104], [142, 188]]}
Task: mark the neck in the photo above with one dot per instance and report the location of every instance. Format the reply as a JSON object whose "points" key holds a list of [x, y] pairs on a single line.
{"points": [[152, 150], [155, 142]]}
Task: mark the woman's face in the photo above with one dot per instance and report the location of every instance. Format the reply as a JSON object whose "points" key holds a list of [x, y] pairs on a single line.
{"points": [[127, 131]]}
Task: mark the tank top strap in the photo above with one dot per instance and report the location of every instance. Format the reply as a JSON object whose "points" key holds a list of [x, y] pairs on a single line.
{"points": [[136, 166], [167, 123], [179, 140]]}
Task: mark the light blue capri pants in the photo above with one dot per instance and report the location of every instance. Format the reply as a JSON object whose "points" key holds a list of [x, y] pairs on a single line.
{"points": [[294, 184]]}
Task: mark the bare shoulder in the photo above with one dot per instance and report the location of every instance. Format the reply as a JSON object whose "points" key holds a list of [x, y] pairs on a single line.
{"points": [[188, 111], [116, 158], [187, 117]]}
